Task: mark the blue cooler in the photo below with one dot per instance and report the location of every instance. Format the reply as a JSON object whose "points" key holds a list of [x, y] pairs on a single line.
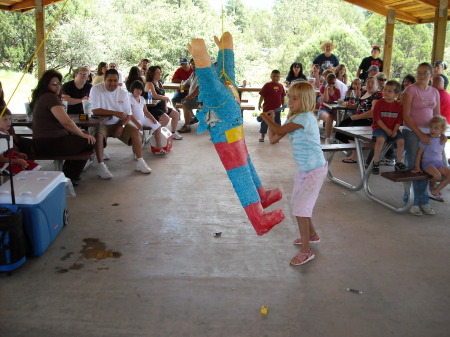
{"points": [[41, 196]]}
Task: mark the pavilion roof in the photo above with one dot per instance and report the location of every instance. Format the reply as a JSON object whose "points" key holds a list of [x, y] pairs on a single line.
{"points": [[408, 11], [22, 5]]}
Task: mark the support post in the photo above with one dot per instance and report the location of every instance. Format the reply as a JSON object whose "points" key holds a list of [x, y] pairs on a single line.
{"points": [[388, 42], [440, 30], [40, 33]]}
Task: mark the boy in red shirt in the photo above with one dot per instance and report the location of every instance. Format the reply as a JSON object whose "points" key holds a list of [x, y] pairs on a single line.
{"points": [[273, 96], [387, 118]]}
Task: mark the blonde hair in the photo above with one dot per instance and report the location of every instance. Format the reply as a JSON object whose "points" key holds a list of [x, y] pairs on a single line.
{"points": [[439, 120], [305, 92]]}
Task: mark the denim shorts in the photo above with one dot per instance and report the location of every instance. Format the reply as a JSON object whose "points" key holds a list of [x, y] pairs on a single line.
{"points": [[381, 133]]}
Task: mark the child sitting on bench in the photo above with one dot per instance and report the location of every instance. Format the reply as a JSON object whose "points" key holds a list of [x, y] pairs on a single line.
{"points": [[387, 118], [429, 157], [19, 161]]}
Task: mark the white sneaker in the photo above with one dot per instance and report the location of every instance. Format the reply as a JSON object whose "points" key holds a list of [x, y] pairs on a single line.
{"points": [[88, 164], [415, 210], [103, 172], [427, 210], [106, 155], [142, 167], [177, 136]]}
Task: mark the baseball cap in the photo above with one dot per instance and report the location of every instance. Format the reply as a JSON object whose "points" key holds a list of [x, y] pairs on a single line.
{"points": [[184, 60], [373, 67]]}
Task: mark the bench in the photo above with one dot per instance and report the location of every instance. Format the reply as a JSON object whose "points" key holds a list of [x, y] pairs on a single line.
{"points": [[343, 147], [59, 160], [332, 149], [400, 177], [246, 106], [406, 178]]}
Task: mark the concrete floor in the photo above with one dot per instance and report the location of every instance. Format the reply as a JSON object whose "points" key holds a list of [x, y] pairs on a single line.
{"points": [[170, 277]]}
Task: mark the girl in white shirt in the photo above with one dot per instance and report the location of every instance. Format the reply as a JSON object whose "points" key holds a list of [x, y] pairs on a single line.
{"points": [[141, 116]]}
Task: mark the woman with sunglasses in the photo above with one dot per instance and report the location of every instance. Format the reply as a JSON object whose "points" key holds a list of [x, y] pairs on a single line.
{"points": [[54, 133], [381, 78], [295, 73], [74, 92]]}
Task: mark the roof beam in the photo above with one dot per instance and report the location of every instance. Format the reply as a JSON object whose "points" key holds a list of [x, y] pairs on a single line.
{"points": [[381, 9], [432, 3], [29, 4]]}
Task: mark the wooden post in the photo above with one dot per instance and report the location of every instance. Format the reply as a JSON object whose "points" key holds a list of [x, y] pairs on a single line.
{"points": [[40, 33], [388, 42], [440, 30]]}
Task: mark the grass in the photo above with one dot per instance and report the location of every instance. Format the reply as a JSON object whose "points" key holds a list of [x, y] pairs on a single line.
{"points": [[9, 80]]}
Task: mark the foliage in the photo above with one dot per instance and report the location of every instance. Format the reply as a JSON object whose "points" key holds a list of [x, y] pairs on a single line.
{"points": [[91, 31]]}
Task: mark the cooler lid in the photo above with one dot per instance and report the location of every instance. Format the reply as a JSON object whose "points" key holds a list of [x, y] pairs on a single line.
{"points": [[31, 187]]}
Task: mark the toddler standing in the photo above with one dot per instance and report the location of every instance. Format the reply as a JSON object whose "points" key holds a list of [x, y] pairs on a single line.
{"points": [[303, 130]]}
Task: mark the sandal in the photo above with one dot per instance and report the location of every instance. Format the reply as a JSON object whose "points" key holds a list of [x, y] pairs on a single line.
{"points": [[436, 198], [349, 161], [302, 258], [162, 151], [312, 239]]}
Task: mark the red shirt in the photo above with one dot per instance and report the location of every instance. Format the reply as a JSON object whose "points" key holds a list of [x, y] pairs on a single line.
{"points": [[336, 96], [445, 104], [389, 113], [181, 75], [273, 94]]}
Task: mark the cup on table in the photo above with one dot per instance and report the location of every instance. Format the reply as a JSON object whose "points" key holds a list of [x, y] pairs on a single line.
{"points": [[87, 107], [29, 115]]}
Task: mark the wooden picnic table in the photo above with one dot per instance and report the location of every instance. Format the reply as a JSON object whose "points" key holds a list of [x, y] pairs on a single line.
{"points": [[338, 110], [20, 120], [171, 86], [250, 89]]}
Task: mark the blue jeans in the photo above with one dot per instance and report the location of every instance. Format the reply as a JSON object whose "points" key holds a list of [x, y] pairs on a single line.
{"points": [[420, 187], [264, 126]]}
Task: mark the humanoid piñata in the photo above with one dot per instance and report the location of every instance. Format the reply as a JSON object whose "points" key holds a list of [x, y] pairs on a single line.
{"points": [[222, 117]]}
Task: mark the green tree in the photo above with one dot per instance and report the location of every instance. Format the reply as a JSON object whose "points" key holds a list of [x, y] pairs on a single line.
{"points": [[412, 44]]}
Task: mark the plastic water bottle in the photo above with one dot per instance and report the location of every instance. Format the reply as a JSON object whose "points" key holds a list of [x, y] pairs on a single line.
{"points": [[150, 97]]}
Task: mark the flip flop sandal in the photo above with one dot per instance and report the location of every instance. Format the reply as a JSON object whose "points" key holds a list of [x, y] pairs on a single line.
{"points": [[312, 239], [160, 152], [436, 198], [303, 258], [349, 161]]}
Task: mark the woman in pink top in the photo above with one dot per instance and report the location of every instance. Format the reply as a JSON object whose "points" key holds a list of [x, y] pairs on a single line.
{"points": [[420, 103]]}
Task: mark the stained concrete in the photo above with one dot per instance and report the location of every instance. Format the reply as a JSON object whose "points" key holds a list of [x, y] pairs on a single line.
{"points": [[171, 277]]}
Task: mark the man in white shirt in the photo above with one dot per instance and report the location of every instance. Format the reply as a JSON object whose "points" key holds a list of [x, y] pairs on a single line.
{"points": [[110, 100]]}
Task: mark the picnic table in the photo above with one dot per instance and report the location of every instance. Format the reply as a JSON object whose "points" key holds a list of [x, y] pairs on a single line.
{"points": [[363, 139], [171, 86], [339, 111], [21, 120]]}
